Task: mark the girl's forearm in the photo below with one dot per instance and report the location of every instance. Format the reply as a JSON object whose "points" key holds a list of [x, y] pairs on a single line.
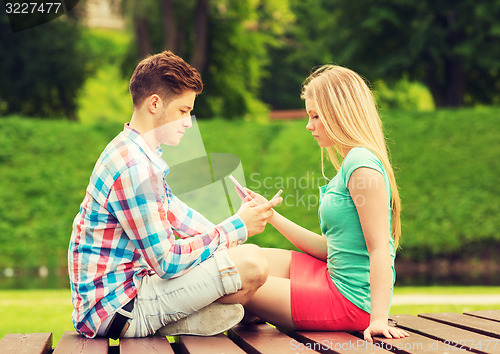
{"points": [[306, 240], [380, 284]]}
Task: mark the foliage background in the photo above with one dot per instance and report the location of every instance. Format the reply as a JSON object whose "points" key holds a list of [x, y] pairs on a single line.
{"points": [[446, 166], [258, 53]]}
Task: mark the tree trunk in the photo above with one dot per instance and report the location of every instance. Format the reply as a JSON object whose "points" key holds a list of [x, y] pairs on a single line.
{"points": [[455, 76], [67, 105], [445, 76], [169, 26], [455, 84], [447, 84], [181, 36], [141, 28], [432, 75], [201, 36]]}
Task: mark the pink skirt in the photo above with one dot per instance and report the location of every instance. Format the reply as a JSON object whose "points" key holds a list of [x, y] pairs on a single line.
{"points": [[317, 305]]}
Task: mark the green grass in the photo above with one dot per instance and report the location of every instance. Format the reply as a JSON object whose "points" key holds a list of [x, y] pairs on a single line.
{"points": [[444, 290], [449, 290], [416, 309], [31, 311]]}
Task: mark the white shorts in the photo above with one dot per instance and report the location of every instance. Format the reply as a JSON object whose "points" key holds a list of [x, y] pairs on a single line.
{"points": [[161, 301]]}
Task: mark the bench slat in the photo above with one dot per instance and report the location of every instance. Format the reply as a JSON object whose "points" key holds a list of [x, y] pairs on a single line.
{"points": [[474, 324], [464, 339], [73, 343], [493, 315], [261, 338], [208, 345], [145, 345], [417, 343], [30, 343], [334, 342]]}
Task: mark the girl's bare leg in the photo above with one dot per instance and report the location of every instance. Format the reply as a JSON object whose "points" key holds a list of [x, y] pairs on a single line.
{"points": [[279, 261], [271, 302]]}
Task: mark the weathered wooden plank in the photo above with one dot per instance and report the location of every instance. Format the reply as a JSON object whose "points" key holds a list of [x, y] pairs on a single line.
{"points": [[74, 343], [449, 335], [417, 343], [30, 343], [334, 342], [493, 315], [474, 324], [208, 345], [145, 345], [261, 338]]}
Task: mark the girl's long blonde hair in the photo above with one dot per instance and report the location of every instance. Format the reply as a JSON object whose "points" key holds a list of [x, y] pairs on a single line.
{"points": [[347, 109]]}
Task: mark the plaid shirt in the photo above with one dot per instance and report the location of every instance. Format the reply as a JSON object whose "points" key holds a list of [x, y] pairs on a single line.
{"points": [[126, 229]]}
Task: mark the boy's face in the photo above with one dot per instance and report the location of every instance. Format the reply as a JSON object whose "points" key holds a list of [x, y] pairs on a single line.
{"points": [[174, 118]]}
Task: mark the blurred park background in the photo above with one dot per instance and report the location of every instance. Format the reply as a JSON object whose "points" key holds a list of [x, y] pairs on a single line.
{"points": [[433, 65]]}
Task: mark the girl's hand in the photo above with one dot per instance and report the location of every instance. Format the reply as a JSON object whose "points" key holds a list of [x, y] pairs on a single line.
{"points": [[381, 327], [256, 196]]}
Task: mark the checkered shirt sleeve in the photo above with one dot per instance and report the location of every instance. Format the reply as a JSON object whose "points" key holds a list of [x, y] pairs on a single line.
{"points": [[149, 223]]}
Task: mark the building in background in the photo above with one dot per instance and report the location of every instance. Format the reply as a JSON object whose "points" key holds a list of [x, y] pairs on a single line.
{"points": [[104, 14]]}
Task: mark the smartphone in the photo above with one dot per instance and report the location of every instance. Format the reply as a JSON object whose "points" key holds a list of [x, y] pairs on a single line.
{"points": [[242, 193]]}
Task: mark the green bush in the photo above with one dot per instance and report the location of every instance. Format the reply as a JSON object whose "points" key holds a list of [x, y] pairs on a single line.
{"points": [[45, 167], [43, 69], [403, 95], [106, 46], [446, 165], [105, 97]]}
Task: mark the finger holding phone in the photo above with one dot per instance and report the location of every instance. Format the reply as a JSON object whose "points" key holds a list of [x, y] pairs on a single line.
{"points": [[255, 215], [255, 210]]}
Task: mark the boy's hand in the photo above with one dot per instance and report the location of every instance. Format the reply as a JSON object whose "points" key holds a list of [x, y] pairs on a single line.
{"points": [[256, 214]]}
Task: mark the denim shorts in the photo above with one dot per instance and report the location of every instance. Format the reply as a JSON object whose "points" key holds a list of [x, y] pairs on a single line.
{"points": [[161, 301]]}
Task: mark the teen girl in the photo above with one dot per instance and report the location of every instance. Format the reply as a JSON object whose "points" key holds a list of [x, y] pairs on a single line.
{"points": [[344, 279]]}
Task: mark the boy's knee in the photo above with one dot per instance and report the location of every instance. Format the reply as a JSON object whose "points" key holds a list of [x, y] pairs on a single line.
{"points": [[252, 265]]}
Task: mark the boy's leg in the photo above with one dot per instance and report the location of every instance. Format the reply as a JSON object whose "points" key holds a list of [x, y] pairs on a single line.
{"points": [[160, 302], [253, 269]]}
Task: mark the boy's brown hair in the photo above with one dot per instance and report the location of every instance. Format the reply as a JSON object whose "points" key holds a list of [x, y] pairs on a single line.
{"points": [[164, 74]]}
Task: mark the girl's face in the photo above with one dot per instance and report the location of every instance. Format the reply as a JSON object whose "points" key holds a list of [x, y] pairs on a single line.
{"points": [[315, 126]]}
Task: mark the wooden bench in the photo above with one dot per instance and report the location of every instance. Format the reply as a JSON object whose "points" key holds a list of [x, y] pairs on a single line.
{"points": [[477, 332]]}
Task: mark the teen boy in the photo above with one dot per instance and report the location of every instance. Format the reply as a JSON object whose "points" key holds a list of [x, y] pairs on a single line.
{"points": [[140, 260]]}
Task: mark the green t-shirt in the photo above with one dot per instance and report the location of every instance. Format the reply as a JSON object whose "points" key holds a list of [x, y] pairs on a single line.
{"points": [[348, 260]]}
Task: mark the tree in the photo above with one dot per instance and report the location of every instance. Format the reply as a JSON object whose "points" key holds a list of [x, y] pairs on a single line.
{"points": [[42, 69], [451, 46], [227, 41], [304, 45]]}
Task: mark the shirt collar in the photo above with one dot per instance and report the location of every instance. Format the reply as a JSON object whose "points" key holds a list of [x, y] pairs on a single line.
{"points": [[154, 155]]}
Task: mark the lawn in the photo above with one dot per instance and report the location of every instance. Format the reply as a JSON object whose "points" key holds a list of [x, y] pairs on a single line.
{"points": [[30, 311]]}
